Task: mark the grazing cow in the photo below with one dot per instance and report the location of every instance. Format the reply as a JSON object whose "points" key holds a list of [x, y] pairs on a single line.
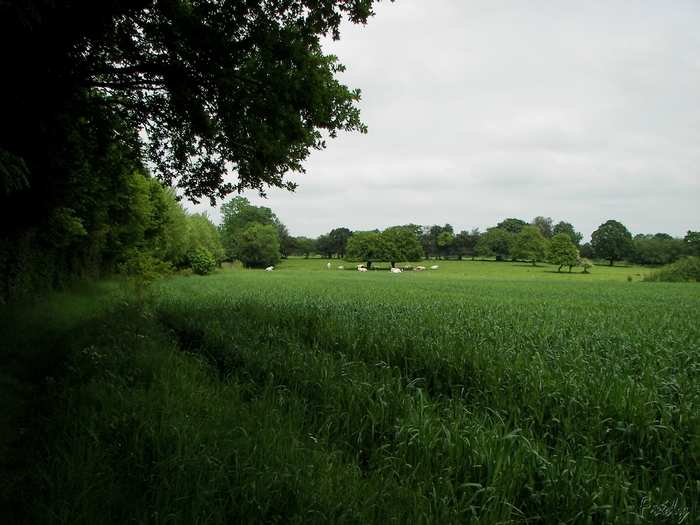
{"points": [[328, 266], [396, 270], [434, 267], [269, 268], [361, 269], [341, 267], [420, 268], [361, 266]]}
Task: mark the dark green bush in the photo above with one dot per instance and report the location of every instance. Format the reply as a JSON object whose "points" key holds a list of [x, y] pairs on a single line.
{"points": [[202, 261], [683, 270]]}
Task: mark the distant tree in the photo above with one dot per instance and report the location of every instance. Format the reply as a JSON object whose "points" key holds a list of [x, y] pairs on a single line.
{"points": [[415, 228], [305, 246], [563, 252], [612, 241], [513, 226], [567, 228], [392, 245], [465, 242], [202, 233], [324, 246], [495, 242], [288, 244], [545, 226], [237, 216], [656, 250], [445, 241], [429, 240], [338, 240], [586, 251], [529, 245], [369, 247], [692, 243], [406, 242], [259, 246]]}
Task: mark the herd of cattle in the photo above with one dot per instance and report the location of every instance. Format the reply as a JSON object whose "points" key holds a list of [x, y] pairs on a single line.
{"points": [[363, 268]]}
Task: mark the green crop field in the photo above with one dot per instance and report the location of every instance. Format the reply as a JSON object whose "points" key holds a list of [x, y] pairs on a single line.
{"points": [[480, 392]]}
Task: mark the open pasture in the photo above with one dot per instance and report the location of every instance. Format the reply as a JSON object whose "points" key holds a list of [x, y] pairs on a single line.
{"points": [[314, 396], [478, 269]]}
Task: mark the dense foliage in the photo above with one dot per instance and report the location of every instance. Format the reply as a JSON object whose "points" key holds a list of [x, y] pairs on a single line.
{"points": [[93, 93], [530, 245], [395, 244], [562, 251], [686, 269], [253, 234], [612, 241]]}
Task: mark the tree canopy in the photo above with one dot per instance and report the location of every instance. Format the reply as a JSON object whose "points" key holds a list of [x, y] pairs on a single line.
{"points": [[612, 241], [494, 242], [529, 245], [394, 244], [215, 86], [545, 226], [513, 226], [567, 228], [563, 252], [247, 233]]}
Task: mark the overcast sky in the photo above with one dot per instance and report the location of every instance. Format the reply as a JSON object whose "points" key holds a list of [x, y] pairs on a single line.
{"points": [[480, 110]]}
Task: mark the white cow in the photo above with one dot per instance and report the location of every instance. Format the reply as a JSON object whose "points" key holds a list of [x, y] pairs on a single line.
{"points": [[328, 266], [361, 269], [434, 267], [269, 268], [396, 270], [341, 267], [420, 268], [361, 266]]}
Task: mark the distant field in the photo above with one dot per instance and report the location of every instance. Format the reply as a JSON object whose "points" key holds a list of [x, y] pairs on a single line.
{"points": [[480, 269], [482, 392]]}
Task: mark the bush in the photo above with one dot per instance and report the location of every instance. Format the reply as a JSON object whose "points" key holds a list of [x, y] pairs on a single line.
{"points": [[683, 270], [142, 269], [202, 261]]}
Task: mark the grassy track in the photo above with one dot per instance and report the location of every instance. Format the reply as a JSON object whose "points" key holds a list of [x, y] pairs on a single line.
{"points": [[306, 395]]}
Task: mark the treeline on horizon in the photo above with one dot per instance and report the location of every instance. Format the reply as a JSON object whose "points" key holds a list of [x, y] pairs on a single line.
{"points": [[243, 223]]}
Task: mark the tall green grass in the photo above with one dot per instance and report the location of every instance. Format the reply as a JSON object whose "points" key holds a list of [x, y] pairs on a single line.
{"points": [[338, 397]]}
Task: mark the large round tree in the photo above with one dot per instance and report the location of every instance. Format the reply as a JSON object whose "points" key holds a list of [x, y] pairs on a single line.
{"points": [[392, 245], [562, 251], [612, 241], [529, 245]]}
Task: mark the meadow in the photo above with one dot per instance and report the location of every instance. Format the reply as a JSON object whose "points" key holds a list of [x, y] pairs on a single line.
{"points": [[477, 393]]}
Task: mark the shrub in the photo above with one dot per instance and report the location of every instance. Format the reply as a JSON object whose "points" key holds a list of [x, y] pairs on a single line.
{"points": [[142, 269], [683, 270], [202, 261]]}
